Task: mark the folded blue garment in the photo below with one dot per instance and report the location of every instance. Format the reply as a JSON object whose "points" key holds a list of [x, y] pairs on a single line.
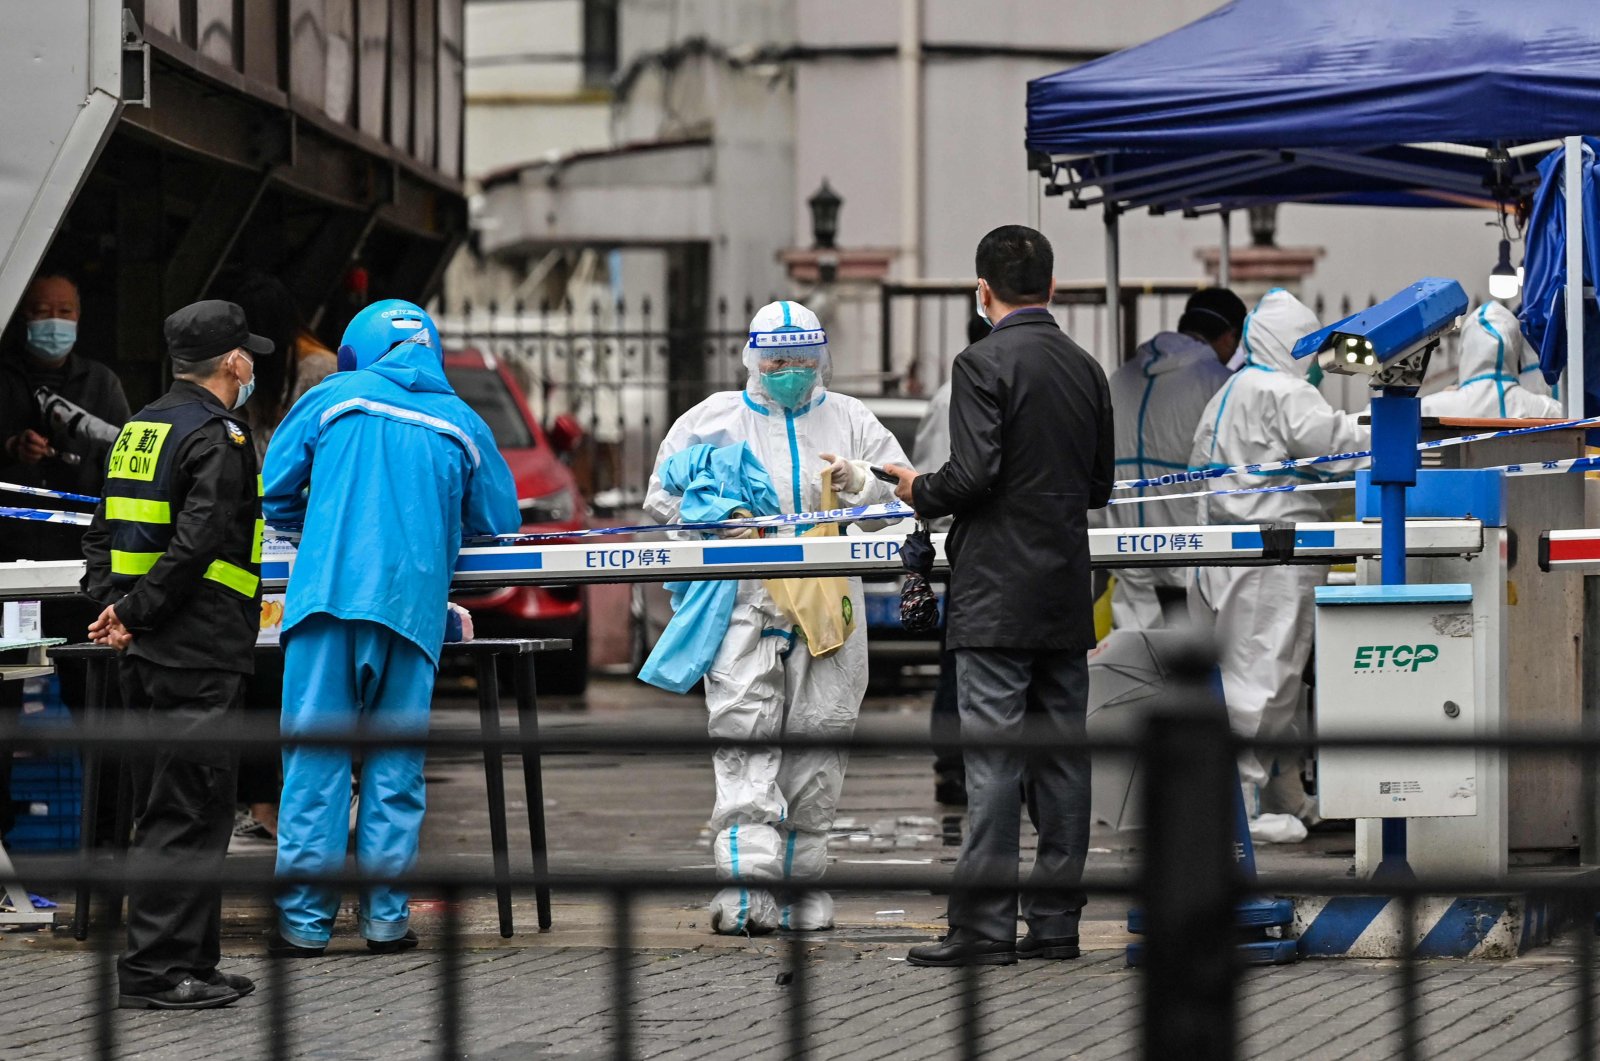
{"points": [[713, 481]]}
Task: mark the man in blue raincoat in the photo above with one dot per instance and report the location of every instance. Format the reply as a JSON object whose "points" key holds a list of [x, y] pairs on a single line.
{"points": [[387, 469]]}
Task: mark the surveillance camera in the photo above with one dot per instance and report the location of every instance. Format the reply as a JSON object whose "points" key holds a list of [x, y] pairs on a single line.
{"points": [[1392, 341]]}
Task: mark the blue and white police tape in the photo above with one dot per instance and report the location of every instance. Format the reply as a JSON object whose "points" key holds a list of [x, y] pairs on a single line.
{"points": [[1571, 465], [887, 512], [39, 491], [1196, 475], [1287, 488], [46, 515], [890, 511]]}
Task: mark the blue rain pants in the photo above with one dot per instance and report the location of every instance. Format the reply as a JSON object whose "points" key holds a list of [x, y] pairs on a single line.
{"points": [[339, 674]]}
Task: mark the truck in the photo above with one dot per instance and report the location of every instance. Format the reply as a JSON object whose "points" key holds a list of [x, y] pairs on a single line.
{"points": [[151, 144]]}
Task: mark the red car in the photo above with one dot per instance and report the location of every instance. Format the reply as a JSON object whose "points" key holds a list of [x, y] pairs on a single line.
{"points": [[549, 499]]}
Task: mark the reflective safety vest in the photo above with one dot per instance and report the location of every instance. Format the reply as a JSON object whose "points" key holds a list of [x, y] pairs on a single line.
{"points": [[139, 504]]}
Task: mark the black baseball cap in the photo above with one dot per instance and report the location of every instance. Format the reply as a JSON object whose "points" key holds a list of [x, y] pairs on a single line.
{"points": [[203, 330]]}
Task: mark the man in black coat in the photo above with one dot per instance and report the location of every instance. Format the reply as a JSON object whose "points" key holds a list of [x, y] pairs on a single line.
{"points": [[36, 452], [1031, 452]]}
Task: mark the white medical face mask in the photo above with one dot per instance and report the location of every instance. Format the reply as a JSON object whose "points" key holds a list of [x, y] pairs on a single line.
{"points": [[977, 296]]}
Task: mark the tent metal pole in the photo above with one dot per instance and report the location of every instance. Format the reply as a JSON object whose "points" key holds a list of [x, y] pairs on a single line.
{"points": [[1573, 179], [1225, 251], [1113, 288]]}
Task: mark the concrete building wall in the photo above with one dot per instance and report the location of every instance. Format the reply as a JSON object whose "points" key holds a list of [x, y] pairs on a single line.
{"points": [[526, 95], [781, 122]]}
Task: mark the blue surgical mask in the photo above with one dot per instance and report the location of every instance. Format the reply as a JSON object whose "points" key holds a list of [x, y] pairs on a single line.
{"points": [[52, 338], [247, 388], [790, 387]]}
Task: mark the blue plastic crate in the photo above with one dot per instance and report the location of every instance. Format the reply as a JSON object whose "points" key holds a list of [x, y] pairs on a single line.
{"points": [[48, 793], [49, 832], [42, 703], [45, 772]]}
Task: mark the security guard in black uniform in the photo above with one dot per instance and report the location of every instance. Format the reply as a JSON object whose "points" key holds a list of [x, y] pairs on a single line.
{"points": [[174, 554]]}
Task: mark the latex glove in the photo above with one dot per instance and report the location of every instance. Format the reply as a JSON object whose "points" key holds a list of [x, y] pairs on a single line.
{"points": [[849, 477], [458, 623], [739, 532]]}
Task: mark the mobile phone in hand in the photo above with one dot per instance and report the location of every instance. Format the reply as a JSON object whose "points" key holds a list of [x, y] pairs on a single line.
{"points": [[886, 476]]}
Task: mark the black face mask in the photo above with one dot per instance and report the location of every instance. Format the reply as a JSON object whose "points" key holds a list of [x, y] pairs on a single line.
{"points": [[919, 605]]}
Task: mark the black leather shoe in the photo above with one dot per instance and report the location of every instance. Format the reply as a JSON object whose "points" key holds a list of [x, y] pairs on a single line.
{"points": [[1031, 946], [242, 984], [190, 994], [393, 946], [278, 947], [962, 947]]}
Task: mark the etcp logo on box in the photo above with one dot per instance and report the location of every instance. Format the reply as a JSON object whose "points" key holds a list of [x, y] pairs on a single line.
{"points": [[1394, 657]]}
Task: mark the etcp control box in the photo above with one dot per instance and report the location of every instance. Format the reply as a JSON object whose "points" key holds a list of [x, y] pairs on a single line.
{"points": [[1396, 661]]}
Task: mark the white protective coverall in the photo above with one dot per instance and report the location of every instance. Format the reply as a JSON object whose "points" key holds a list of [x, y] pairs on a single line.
{"points": [[1491, 373], [931, 447], [1264, 615], [932, 444], [1157, 398], [774, 808]]}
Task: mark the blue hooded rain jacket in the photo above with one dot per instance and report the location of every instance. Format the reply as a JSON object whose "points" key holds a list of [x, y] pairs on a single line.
{"points": [[403, 469]]}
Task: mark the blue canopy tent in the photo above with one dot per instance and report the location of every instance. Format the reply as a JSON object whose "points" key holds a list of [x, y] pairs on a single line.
{"points": [[1370, 102]]}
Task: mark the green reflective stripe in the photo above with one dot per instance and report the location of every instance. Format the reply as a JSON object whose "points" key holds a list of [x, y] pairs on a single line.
{"points": [[135, 564], [234, 577], [261, 491], [138, 510], [255, 544]]}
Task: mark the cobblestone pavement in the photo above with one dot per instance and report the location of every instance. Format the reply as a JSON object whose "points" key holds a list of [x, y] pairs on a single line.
{"points": [[529, 1003], [549, 994]]}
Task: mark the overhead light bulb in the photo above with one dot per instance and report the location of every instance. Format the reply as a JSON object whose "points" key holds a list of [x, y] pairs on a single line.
{"points": [[1503, 280]]}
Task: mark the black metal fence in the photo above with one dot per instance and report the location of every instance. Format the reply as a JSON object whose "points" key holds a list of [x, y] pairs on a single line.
{"points": [[927, 320], [620, 368], [1188, 885], [624, 368]]}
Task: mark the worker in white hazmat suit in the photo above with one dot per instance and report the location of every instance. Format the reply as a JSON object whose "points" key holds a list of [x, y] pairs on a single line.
{"points": [[1157, 398], [1263, 615], [774, 808], [1531, 376], [1491, 373]]}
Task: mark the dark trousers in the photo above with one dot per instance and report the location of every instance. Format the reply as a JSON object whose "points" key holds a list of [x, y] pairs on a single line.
{"points": [[1041, 697], [945, 720], [260, 772], [183, 818]]}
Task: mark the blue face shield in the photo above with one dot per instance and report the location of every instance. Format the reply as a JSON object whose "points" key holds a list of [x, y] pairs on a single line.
{"points": [[791, 385]]}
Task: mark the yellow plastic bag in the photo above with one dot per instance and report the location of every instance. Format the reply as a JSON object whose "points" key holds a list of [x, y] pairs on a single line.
{"points": [[1102, 611], [820, 607]]}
